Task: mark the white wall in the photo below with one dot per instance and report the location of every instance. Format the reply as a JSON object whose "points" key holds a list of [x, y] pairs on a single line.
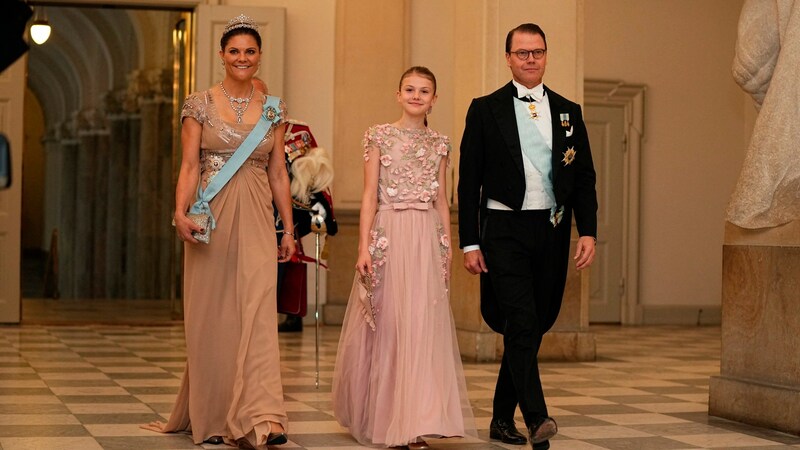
{"points": [[431, 41], [310, 26], [452, 37], [308, 85], [695, 132]]}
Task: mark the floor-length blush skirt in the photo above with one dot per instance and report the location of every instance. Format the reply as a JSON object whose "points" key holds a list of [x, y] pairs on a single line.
{"points": [[232, 383], [404, 378]]}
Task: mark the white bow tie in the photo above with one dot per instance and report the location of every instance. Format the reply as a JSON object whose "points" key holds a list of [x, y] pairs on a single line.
{"points": [[525, 92]]}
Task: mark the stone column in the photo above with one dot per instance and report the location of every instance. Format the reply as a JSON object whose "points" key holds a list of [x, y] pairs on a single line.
{"points": [[52, 210], [759, 380], [131, 249], [67, 215], [117, 205], [52, 190], [154, 188], [99, 200], [84, 213], [165, 205], [146, 201]]}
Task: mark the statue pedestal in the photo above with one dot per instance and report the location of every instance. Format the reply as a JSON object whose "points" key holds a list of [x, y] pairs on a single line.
{"points": [[568, 340], [759, 381]]}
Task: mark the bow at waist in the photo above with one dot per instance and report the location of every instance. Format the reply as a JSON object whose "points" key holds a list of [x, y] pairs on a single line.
{"points": [[405, 206]]}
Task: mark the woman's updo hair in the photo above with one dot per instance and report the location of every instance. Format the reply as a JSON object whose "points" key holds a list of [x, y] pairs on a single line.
{"points": [[240, 25]]}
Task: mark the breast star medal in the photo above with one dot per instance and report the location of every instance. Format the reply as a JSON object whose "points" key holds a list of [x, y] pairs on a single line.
{"points": [[569, 156], [556, 215]]}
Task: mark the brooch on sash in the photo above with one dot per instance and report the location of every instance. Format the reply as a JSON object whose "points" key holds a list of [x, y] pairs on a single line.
{"points": [[270, 113]]}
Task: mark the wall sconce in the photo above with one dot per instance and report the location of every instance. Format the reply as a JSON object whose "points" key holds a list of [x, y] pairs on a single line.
{"points": [[40, 27]]}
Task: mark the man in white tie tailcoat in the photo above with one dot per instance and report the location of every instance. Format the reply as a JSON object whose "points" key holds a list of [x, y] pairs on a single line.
{"points": [[525, 168]]}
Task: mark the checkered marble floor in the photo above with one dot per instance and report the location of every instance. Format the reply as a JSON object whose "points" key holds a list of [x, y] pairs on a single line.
{"points": [[89, 387]]}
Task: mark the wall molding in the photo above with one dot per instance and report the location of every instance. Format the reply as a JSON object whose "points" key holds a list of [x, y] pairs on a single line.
{"points": [[629, 97], [680, 315]]}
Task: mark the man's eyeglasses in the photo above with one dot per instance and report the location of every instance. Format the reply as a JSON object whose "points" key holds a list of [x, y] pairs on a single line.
{"points": [[537, 54]]}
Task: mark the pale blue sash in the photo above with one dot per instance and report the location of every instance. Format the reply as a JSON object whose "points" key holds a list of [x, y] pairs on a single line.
{"points": [[535, 147], [540, 155], [270, 115]]}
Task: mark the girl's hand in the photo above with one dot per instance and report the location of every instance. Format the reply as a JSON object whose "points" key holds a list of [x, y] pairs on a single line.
{"points": [[364, 263]]}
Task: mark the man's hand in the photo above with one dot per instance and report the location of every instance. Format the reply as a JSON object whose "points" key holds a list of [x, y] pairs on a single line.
{"points": [[474, 263], [584, 256]]}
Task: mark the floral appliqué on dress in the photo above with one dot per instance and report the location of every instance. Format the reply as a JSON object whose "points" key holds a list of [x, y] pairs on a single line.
{"points": [[444, 249], [377, 250], [407, 183]]}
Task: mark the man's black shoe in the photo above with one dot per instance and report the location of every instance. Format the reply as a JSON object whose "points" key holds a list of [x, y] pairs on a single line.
{"points": [[543, 431], [506, 431]]}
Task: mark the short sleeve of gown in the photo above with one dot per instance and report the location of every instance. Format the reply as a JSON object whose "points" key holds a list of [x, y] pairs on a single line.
{"points": [[195, 107], [284, 112], [369, 143], [444, 148]]}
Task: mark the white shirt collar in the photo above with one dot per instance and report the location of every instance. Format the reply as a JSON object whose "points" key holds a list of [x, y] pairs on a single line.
{"points": [[537, 92]]}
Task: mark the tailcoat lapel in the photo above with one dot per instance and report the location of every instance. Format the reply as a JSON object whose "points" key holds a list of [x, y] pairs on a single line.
{"points": [[559, 136], [502, 106]]}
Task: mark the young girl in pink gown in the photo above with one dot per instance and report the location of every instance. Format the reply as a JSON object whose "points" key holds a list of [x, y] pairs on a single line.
{"points": [[398, 375]]}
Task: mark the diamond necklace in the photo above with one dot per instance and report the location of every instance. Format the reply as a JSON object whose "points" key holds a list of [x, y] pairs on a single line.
{"points": [[238, 104]]}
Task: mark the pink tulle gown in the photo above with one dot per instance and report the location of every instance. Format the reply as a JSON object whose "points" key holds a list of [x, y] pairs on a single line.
{"points": [[398, 372]]}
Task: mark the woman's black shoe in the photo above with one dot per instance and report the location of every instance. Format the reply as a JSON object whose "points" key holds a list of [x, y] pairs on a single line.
{"points": [[214, 440], [506, 431], [277, 439]]}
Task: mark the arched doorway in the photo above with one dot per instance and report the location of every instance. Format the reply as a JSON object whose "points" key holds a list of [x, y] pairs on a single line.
{"points": [[98, 190]]}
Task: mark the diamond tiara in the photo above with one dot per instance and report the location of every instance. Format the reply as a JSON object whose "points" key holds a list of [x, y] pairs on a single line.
{"points": [[241, 21]]}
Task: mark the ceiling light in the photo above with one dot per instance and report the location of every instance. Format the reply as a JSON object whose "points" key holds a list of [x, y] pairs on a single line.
{"points": [[40, 28]]}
